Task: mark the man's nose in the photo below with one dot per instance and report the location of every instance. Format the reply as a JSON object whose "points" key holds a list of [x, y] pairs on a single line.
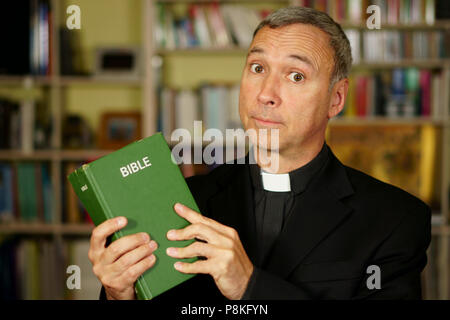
{"points": [[269, 93]]}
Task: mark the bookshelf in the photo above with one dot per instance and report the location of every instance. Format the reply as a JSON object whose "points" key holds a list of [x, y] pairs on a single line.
{"points": [[56, 87]]}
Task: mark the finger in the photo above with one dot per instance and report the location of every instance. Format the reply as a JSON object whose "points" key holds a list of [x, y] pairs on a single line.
{"points": [[135, 271], [187, 213], [203, 266], [123, 245], [197, 230], [104, 230], [135, 255], [195, 217], [195, 249]]}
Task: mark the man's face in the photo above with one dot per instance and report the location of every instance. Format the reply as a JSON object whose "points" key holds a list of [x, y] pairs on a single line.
{"points": [[285, 85]]}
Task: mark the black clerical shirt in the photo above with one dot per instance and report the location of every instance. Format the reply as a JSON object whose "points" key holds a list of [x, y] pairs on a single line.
{"points": [[273, 209]]}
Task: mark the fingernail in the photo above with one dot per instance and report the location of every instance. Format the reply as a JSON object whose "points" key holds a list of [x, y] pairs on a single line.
{"points": [[171, 251], [153, 245], [121, 221], [177, 265], [145, 237], [178, 206], [152, 258], [171, 234]]}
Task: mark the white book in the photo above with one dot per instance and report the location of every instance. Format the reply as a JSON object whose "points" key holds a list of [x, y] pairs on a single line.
{"points": [[354, 9], [353, 37], [169, 31], [236, 17], [201, 28], [234, 120], [218, 28], [222, 106], [430, 13], [186, 111], [167, 112], [27, 126], [205, 93]]}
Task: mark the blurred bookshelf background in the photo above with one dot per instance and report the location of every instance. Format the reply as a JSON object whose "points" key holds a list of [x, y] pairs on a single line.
{"points": [[135, 67]]}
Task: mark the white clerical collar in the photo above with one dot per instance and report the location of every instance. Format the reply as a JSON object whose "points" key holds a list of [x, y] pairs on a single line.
{"points": [[276, 182]]}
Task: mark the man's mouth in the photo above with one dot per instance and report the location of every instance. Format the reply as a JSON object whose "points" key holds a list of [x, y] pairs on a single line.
{"points": [[266, 122]]}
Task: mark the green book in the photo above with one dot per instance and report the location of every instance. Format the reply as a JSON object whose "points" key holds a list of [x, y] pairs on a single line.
{"points": [[26, 177], [142, 183]]}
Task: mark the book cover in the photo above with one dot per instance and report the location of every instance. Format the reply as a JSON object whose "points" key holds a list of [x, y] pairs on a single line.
{"points": [[26, 179], [142, 183]]}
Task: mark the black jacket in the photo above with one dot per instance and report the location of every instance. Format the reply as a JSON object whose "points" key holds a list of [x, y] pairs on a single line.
{"points": [[345, 222]]}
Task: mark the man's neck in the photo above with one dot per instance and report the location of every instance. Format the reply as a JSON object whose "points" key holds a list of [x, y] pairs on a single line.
{"points": [[288, 161]]}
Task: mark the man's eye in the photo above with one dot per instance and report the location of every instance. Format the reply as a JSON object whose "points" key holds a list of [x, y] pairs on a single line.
{"points": [[256, 68], [296, 77]]}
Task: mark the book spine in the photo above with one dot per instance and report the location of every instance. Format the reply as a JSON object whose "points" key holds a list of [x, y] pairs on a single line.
{"points": [[85, 186], [85, 190]]}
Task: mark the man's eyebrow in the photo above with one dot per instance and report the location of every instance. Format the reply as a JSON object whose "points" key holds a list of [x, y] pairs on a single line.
{"points": [[255, 50], [303, 59], [292, 56]]}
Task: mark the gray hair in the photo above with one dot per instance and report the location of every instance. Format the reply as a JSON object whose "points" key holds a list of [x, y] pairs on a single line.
{"points": [[338, 40]]}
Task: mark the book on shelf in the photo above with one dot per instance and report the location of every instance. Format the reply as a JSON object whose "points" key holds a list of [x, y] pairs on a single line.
{"points": [[33, 269], [26, 27], [398, 45], [141, 182], [397, 93], [391, 11], [24, 125], [217, 106], [73, 210], [206, 26], [26, 192]]}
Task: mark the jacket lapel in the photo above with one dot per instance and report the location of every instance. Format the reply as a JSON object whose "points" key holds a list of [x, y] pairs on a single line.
{"points": [[316, 215]]}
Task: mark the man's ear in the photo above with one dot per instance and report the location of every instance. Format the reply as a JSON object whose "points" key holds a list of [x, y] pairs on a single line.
{"points": [[338, 96]]}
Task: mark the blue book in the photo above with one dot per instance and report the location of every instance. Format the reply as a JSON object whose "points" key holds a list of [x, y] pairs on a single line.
{"points": [[47, 194], [6, 196]]}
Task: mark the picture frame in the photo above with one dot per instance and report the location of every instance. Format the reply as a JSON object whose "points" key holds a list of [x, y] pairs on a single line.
{"points": [[122, 62], [119, 129]]}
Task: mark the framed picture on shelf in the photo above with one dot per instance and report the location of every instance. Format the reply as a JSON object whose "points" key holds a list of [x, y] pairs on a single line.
{"points": [[119, 129]]}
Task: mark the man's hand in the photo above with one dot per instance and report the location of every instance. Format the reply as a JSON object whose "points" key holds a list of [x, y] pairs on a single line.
{"points": [[120, 264], [227, 261]]}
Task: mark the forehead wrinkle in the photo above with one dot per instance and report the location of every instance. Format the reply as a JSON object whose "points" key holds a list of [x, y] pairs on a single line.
{"points": [[306, 41]]}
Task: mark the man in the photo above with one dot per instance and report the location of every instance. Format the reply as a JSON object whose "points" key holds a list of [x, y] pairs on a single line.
{"points": [[314, 229]]}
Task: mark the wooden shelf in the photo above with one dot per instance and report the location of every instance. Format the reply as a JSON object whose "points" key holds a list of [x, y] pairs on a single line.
{"points": [[440, 230], [12, 80], [103, 80], [202, 51], [438, 25], [6, 80], [416, 63], [424, 63], [83, 154], [62, 155], [46, 229], [221, 1], [355, 121]]}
